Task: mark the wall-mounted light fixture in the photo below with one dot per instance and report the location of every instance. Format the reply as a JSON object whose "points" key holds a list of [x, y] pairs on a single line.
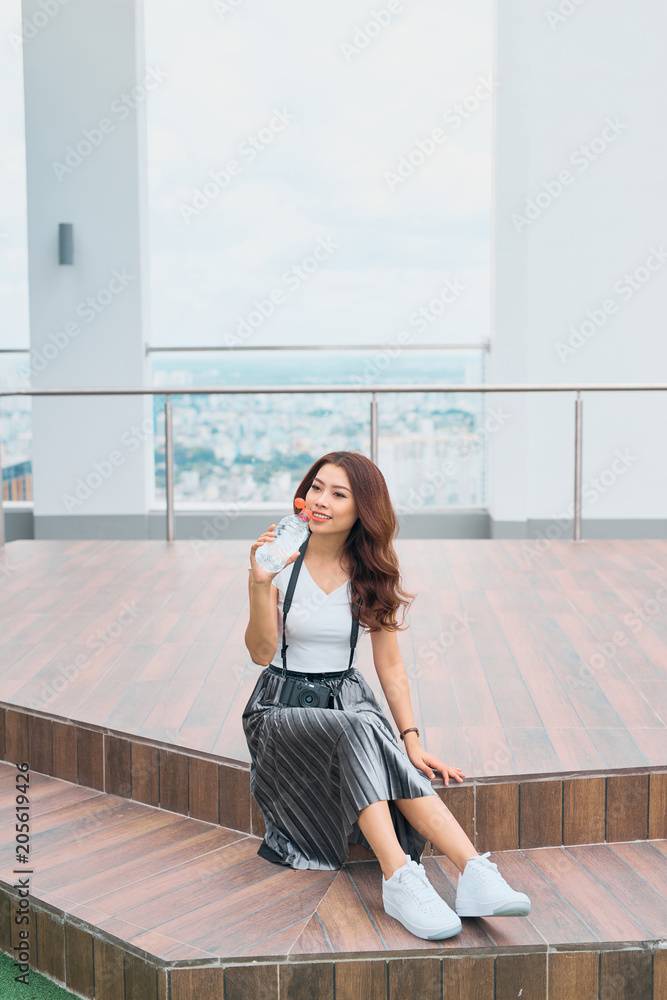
{"points": [[65, 243]]}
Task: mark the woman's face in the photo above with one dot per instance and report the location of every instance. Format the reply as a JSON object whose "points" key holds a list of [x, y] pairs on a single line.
{"points": [[330, 493]]}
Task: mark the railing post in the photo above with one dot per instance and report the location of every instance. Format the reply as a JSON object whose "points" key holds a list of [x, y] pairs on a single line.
{"points": [[578, 432], [169, 467], [374, 430]]}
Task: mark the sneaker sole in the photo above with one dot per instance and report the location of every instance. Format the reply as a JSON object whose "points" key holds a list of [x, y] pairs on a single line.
{"points": [[423, 932], [471, 908]]}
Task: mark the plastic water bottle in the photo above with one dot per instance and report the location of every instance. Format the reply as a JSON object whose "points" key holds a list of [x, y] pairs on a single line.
{"points": [[290, 534]]}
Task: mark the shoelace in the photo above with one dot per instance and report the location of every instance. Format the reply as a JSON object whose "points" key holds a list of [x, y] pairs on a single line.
{"points": [[488, 870], [416, 880]]}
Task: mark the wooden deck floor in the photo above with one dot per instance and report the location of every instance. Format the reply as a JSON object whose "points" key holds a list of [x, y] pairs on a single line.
{"points": [[522, 659]]}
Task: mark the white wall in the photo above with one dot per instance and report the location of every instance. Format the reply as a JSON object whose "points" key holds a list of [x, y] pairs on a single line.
{"points": [[559, 82], [80, 60]]}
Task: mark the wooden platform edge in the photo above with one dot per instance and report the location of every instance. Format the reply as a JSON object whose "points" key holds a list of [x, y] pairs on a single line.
{"points": [[503, 812], [97, 965]]}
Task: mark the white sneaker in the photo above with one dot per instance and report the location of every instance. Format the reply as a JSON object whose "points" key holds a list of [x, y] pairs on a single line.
{"points": [[483, 892], [410, 898]]}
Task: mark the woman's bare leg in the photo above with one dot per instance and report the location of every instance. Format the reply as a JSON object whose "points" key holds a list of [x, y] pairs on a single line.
{"points": [[430, 816], [377, 827]]}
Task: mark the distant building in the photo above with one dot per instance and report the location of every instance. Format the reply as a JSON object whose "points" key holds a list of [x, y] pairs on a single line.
{"points": [[17, 480]]}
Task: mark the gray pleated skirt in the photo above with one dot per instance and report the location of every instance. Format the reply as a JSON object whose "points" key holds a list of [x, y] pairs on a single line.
{"points": [[314, 769]]}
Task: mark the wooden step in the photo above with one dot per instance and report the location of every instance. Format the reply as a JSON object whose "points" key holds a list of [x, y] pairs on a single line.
{"points": [[130, 901]]}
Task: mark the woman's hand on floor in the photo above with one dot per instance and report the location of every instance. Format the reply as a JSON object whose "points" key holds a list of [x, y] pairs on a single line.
{"points": [[428, 763]]}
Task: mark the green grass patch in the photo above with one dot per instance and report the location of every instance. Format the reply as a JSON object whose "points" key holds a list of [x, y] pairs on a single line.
{"points": [[37, 988]]}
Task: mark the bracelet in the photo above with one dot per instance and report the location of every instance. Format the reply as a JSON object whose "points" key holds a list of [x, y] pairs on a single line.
{"points": [[413, 729]]}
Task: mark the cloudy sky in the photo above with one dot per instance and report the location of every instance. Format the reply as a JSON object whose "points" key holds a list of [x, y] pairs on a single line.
{"points": [[317, 105]]}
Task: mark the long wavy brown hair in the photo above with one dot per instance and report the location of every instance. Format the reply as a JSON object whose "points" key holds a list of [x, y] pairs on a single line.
{"points": [[375, 580]]}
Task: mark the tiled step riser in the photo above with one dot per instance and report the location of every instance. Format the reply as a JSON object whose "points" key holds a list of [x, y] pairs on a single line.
{"points": [[88, 965], [497, 814], [105, 969], [635, 974]]}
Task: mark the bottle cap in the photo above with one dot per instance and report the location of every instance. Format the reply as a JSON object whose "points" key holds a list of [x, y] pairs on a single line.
{"points": [[304, 514]]}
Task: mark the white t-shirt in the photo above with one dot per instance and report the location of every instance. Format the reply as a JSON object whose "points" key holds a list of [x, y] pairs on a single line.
{"points": [[317, 628]]}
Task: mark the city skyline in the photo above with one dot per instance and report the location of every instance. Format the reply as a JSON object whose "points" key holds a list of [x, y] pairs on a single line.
{"points": [[227, 450]]}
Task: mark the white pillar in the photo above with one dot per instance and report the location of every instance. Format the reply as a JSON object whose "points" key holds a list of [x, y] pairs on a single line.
{"points": [[86, 88], [582, 90]]}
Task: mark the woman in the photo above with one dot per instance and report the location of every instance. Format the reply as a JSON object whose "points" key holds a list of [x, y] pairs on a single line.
{"points": [[334, 773]]}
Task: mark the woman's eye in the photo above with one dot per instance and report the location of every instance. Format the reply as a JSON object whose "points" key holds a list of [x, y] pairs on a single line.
{"points": [[335, 494]]}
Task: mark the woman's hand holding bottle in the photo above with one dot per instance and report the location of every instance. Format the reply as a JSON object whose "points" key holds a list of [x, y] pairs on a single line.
{"points": [[259, 575]]}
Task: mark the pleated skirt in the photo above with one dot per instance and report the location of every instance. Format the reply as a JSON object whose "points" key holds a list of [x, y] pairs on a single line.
{"points": [[314, 769]]}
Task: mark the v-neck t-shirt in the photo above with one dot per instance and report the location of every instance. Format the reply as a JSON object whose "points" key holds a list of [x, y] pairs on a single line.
{"points": [[317, 627]]}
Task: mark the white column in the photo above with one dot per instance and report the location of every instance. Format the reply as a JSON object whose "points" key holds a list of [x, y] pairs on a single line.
{"points": [[580, 256], [86, 88]]}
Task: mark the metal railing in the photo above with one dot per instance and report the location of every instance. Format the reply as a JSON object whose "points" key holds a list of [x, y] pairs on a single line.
{"points": [[483, 346], [278, 389]]}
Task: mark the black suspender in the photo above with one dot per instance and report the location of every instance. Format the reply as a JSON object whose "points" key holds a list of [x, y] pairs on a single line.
{"points": [[354, 631]]}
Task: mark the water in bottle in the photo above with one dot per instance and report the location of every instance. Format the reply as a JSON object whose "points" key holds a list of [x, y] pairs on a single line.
{"points": [[290, 535]]}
